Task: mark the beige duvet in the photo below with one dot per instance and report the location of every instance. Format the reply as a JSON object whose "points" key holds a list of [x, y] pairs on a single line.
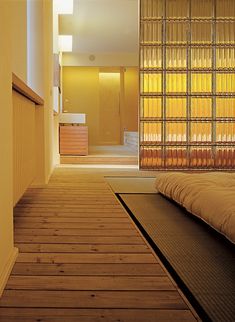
{"points": [[210, 196]]}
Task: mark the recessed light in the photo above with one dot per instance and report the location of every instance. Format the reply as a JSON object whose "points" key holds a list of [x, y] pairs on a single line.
{"points": [[64, 7], [65, 43]]}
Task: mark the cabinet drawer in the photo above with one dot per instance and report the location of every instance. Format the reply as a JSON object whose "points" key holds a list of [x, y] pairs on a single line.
{"points": [[73, 140]]}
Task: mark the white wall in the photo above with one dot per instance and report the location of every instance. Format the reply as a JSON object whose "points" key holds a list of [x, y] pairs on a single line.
{"points": [[119, 59], [55, 27], [35, 46], [18, 9], [56, 94], [44, 115]]}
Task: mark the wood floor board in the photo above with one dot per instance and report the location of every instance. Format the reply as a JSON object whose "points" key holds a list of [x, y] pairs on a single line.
{"points": [[93, 299], [94, 315], [65, 187], [84, 283], [70, 203], [127, 160], [84, 212], [83, 259], [82, 248], [125, 269], [53, 205], [112, 240], [74, 225], [74, 188], [68, 198], [66, 193], [75, 232], [105, 220]]}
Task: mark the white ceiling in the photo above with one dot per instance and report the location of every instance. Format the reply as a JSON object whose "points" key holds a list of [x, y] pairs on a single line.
{"points": [[102, 26]]}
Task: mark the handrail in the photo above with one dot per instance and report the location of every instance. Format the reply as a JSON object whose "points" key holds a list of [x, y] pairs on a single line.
{"points": [[19, 86]]}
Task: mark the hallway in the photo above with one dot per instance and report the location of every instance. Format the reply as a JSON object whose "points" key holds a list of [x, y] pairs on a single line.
{"points": [[83, 259]]}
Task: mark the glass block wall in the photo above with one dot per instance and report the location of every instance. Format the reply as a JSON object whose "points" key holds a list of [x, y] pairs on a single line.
{"points": [[187, 84]]}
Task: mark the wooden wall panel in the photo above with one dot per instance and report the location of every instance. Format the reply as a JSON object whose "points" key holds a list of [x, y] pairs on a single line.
{"points": [[73, 140], [23, 144]]}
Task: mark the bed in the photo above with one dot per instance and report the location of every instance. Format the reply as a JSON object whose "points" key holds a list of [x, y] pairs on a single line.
{"points": [[209, 196]]}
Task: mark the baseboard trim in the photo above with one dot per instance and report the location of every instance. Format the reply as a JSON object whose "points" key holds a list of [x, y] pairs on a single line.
{"points": [[7, 269]]}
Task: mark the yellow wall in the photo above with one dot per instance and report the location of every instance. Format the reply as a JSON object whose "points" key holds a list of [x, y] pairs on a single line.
{"points": [[7, 252], [110, 108], [81, 90], [131, 94], [18, 9], [81, 95], [44, 115], [56, 154], [14, 60], [48, 84]]}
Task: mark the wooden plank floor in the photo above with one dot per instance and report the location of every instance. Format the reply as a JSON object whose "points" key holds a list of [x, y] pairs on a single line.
{"points": [[83, 259]]}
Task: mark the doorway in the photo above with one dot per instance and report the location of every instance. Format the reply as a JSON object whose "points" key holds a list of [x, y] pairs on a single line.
{"points": [[110, 111], [108, 96]]}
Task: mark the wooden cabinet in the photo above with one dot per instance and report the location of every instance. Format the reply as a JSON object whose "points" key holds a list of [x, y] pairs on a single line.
{"points": [[73, 140]]}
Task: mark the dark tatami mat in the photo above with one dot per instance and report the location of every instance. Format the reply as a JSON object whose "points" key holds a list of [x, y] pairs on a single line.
{"points": [[202, 261], [132, 184]]}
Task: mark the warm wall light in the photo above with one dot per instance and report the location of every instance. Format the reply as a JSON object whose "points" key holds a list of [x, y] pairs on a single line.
{"points": [[65, 43], [64, 7]]}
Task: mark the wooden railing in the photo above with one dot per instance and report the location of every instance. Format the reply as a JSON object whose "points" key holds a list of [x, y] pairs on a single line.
{"points": [[24, 101]]}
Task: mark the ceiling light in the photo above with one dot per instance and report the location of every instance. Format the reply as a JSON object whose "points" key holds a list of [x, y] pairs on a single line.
{"points": [[64, 7], [65, 43]]}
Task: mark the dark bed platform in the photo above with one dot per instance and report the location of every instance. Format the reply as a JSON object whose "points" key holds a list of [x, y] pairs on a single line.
{"points": [[201, 260]]}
